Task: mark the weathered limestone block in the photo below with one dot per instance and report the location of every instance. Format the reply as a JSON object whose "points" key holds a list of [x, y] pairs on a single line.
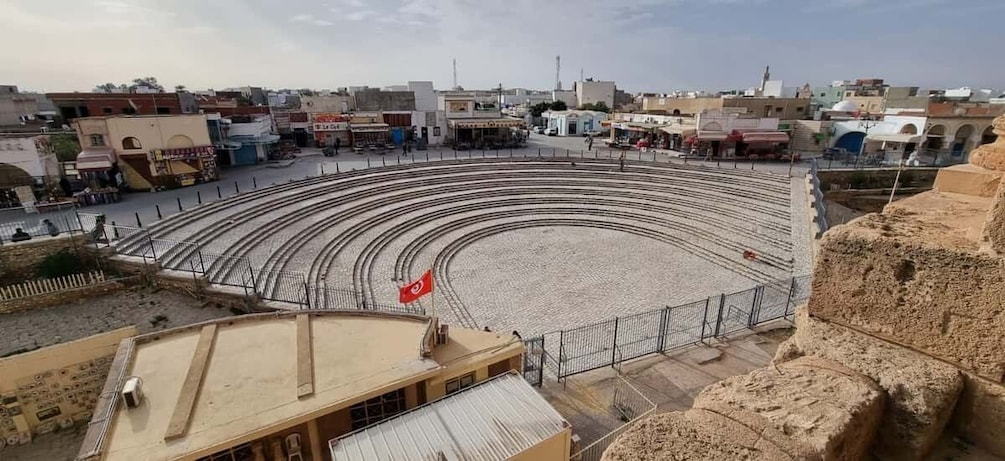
{"points": [[723, 433], [992, 156], [980, 414], [831, 412], [916, 275], [921, 392], [968, 180], [993, 235]]}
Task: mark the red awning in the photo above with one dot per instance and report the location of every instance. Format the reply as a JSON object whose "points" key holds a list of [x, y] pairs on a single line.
{"points": [[95, 160], [766, 136], [711, 135]]}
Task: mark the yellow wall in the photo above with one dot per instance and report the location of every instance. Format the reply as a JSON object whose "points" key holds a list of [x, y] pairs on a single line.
{"points": [[436, 387], [157, 132], [686, 106], [871, 104], [56, 385], [555, 448]]}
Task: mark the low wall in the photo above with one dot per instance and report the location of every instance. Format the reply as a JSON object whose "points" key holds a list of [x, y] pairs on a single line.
{"points": [[18, 260], [61, 297], [876, 178], [54, 387]]}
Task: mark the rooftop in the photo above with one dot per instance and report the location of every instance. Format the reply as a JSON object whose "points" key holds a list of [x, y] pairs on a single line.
{"points": [[496, 419], [261, 374]]}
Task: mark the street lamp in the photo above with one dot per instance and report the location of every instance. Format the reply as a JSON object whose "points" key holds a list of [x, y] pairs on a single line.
{"points": [[866, 125]]}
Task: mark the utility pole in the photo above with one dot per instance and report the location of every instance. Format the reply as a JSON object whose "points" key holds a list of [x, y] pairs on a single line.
{"points": [[558, 71]]}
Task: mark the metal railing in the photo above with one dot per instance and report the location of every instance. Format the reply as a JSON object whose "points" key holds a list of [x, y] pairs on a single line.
{"points": [[630, 405], [818, 199], [37, 221], [620, 339]]}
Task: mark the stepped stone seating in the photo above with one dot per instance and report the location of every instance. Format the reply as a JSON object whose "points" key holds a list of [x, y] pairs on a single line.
{"points": [[911, 300]]}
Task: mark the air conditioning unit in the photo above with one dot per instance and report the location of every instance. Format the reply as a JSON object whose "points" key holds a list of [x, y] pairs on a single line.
{"points": [[132, 391]]}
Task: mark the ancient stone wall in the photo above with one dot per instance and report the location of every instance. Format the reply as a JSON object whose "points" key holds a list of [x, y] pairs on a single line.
{"points": [[18, 260]]}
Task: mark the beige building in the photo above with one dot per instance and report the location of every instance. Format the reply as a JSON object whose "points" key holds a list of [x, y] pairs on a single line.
{"points": [[153, 151], [780, 108], [333, 103], [271, 386]]}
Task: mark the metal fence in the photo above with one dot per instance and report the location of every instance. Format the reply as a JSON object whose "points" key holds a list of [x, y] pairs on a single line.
{"points": [[533, 360], [818, 199], [663, 330], [630, 405], [37, 221]]}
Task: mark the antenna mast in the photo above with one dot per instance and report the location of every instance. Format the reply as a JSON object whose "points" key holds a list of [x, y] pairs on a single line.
{"points": [[558, 69], [455, 74]]}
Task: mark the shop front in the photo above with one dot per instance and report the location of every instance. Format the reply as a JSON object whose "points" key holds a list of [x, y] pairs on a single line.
{"points": [[483, 134], [184, 166], [761, 144], [370, 136], [329, 127]]}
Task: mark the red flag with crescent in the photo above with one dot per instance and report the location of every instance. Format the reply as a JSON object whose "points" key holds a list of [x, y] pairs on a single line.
{"points": [[417, 289]]}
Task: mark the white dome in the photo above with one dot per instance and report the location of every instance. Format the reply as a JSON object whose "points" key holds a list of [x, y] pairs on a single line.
{"points": [[844, 106]]}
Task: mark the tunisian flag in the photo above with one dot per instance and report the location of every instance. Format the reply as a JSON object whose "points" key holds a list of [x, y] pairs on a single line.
{"points": [[417, 289]]}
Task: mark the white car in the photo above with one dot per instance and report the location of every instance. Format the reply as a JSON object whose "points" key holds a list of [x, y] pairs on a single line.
{"points": [[553, 131]]}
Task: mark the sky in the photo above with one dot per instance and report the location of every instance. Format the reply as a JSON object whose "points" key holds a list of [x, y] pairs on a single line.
{"points": [[643, 45]]}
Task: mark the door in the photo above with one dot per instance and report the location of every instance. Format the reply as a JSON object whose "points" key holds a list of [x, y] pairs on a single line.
{"points": [[425, 135]]}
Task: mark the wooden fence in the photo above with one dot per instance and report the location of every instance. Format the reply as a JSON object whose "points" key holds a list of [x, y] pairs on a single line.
{"points": [[43, 286]]}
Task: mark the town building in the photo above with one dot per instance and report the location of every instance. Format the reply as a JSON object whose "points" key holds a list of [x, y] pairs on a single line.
{"points": [[567, 96], [780, 108], [329, 126], [327, 103], [250, 140], [374, 99], [574, 122], [26, 161], [153, 152], [24, 111], [726, 133], [470, 122], [523, 97], [425, 95], [281, 385], [75, 105], [590, 91], [504, 418]]}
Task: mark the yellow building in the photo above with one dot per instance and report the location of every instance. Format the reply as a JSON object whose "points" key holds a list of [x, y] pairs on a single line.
{"points": [[267, 386], [153, 151]]}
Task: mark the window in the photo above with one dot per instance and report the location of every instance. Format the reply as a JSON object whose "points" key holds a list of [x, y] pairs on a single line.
{"points": [[377, 409], [131, 143], [778, 109], [96, 140], [823, 95], [460, 382], [107, 110], [238, 453], [436, 131], [499, 368], [799, 109], [163, 110], [128, 111]]}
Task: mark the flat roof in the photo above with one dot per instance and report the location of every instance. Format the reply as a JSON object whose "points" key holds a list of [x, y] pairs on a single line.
{"points": [[495, 419], [252, 380]]}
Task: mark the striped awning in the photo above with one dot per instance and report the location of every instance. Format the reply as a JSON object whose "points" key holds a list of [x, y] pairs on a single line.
{"points": [[489, 123], [95, 160], [712, 135]]}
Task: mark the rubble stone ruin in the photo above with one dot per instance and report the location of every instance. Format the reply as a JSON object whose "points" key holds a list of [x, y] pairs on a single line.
{"points": [[898, 355]]}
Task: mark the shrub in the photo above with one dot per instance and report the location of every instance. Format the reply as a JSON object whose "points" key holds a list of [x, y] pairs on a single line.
{"points": [[59, 264]]}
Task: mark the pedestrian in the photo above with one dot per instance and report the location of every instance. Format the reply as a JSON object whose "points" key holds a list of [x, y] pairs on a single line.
{"points": [[621, 162], [589, 143], [19, 235], [338, 143], [486, 329], [50, 227], [403, 148]]}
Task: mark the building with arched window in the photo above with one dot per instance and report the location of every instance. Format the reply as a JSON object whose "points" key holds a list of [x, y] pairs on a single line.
{"points": [[152, 152]]}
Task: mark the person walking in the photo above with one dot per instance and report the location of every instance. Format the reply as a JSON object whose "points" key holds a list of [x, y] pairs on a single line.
{"points": [[338, 143], [621, 162], [589, 142]]}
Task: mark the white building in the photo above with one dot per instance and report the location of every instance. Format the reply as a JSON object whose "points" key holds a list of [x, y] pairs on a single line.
{"points": [[574, 122], [567, 96], [430, 125], [32, 154], [521, 96], [425, 95], [592, 92]]}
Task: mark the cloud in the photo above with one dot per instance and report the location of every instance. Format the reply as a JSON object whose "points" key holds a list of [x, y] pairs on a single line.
{"points": [[306, 18], [359, 15]]}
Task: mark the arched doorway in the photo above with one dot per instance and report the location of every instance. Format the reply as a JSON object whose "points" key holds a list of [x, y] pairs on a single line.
{"points": [[935, 135], [180, 141], [11, 177], [988, 136], [851, 142], [961, 140], [909, 129]]}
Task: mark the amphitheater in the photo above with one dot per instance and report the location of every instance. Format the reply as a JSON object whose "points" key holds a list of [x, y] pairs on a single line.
{"points": [[526, 244]]}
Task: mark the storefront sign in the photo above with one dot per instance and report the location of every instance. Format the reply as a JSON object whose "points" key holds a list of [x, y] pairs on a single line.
{"points": [[327, 121], [182, 153]]}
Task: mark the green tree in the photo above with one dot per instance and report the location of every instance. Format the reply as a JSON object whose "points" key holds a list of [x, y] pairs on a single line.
{"points": [[598, 106], [66, 146], [179, 88], [559, 105], [106, 87], [150, 82], [537, 109]]}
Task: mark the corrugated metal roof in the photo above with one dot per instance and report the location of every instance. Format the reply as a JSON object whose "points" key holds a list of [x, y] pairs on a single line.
{"points": [[493, 420]]}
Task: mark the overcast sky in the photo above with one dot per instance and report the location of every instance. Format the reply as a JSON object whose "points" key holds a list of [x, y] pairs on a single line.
{"points": [[644, 45]]}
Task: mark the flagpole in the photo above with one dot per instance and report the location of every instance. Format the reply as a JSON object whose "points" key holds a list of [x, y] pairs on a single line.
{"points": [[432, 294]]}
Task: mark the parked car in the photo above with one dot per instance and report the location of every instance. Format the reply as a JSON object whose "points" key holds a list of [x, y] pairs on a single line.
{"points": [[539, 129], [553, 131], [593, 133]]}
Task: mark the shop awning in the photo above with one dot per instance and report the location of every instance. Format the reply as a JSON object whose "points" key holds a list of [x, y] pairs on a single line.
{"points": [[766, 136], [489, 123], [712, 135], [263, 139], [95, 160], [673, 129], [369, 127], [905, 138]]}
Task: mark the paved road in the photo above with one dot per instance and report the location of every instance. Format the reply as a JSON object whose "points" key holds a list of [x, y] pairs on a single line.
{"points": [[311, 162]]}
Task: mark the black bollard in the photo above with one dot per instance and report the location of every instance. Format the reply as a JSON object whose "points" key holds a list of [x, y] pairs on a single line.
{"points": [[237, 190], [178, 199], [368, 162], [138, 223], [336, 168], [198, 197], [115, 230], [218, 195], [382, 161], [158, 211], [254, 183], [427, 156]]}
